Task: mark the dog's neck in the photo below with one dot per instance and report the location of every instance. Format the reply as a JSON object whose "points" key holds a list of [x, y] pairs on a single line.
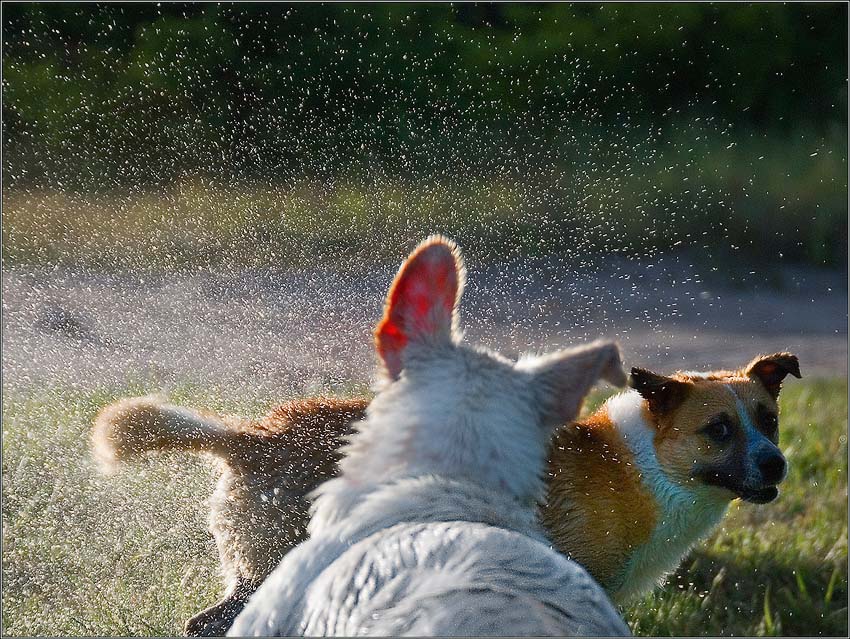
{"points": [[434, 422], [685, 514], [417, 500], [629, 414]]}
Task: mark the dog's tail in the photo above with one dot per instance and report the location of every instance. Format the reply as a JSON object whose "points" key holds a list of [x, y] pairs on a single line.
{"points": [[131, 427]]}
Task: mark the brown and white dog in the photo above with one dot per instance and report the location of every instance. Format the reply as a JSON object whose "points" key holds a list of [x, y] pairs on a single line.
{"points": [[630, 489]]}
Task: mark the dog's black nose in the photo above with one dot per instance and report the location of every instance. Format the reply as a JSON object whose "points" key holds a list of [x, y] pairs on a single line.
{"points": [[772, 468]]}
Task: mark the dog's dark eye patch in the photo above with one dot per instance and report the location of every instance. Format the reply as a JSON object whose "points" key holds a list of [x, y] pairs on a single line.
{"points": [[719, 428], [767, 420]]}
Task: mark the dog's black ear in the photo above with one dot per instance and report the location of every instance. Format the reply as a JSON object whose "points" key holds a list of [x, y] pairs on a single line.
{"points": [[662, 393], [770, 370]]}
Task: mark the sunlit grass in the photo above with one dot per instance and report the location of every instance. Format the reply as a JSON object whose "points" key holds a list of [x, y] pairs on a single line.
{"points": [[735, 195], [129, 554]]}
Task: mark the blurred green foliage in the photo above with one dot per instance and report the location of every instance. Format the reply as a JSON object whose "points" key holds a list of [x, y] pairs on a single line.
{"points": [[148, 91], [661, 124]]}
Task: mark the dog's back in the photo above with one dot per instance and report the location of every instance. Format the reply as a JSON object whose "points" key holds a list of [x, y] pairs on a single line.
{"points": [[452, 578], [471, 579]]}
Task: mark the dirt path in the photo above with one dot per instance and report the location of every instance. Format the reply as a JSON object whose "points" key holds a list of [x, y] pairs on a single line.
{"points": [[276, 334]]}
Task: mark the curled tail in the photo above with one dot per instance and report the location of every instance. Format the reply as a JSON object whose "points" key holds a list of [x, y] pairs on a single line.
{"points": [[127, 429]]}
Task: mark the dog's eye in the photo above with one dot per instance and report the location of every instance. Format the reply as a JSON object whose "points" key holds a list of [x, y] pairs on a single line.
{"points": [[718, 430]]}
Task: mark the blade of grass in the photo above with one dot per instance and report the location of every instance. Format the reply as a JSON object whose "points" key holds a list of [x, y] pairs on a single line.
{"points": [[830, 588]]}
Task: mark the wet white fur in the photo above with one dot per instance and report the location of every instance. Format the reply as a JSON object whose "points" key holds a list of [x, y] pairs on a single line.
{"points": [[480, 427], [430, 529], [457, 439], [686, 514]]}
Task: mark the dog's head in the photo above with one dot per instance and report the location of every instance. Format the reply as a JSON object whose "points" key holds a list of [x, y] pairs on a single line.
{"points": [[460, 411], [721, 429]]}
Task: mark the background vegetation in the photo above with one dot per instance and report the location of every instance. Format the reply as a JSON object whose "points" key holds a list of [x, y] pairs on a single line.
{"points": [[669, 124]]}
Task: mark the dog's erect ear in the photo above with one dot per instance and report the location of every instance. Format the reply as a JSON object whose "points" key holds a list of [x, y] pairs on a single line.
{"points": [[770, 370], [563, 379], [662, 393], [421, 307]]}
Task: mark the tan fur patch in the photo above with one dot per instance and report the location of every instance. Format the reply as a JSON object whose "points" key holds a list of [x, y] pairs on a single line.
{"points": [[596, 508], [678, 442]]}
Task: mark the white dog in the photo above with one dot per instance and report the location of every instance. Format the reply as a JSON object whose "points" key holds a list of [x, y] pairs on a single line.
{"points": [[431, 528]]}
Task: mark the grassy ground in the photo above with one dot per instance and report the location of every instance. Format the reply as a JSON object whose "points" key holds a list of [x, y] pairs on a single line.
{"points": [[129, 554]]}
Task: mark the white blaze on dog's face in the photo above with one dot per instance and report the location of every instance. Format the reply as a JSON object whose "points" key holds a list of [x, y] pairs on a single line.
{"points": [[721, 429], [457, 411]]}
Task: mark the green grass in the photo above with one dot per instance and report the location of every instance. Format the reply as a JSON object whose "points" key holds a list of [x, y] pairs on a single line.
{"points": [[129, 554]]}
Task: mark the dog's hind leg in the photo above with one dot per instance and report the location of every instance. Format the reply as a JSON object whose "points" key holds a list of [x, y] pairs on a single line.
{"points": [[216, 620]]}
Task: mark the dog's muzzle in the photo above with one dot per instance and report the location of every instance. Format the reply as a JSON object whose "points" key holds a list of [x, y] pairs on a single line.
{"points": [[772, 468], [759, 495]]}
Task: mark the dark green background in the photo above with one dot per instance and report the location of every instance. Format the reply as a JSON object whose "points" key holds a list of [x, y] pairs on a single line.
{"points": [[106, 96]]}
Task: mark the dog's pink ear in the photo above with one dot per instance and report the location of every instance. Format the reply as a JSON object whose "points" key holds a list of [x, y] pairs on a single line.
{"points": [[421, 307], [772, 369], [563, 379]]}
